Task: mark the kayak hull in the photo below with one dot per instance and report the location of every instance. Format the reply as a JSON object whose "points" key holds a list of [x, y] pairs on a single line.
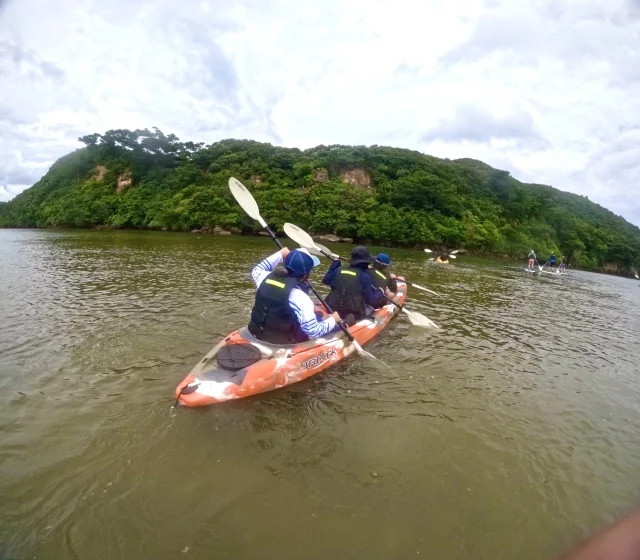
{"points": [[209, 383]]}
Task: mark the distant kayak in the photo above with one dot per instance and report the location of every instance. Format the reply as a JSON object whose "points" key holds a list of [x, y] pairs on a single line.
{"points": [[241, 365]]}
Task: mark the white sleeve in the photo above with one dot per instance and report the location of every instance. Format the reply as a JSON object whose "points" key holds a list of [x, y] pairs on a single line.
{"points": [[265, 267], [302, 305]]}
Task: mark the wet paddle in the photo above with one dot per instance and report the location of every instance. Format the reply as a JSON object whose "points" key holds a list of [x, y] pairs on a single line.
{"points": [[303, 239], [416, 318], [245, 199]]}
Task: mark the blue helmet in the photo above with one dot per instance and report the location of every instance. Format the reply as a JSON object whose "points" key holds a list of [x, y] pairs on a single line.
{"points": [[300, 262], [384, 259]]}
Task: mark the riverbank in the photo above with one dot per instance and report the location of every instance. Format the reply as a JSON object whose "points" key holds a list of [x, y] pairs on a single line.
{"points": [[332, 238]]}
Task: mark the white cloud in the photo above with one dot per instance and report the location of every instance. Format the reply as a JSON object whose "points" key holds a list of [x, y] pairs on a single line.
{"points": [[548, 90]]}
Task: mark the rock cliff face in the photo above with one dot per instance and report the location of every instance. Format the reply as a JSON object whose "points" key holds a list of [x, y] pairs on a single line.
{"points": [[358, 177], [321, 176], [124, 181], [99, 172]]}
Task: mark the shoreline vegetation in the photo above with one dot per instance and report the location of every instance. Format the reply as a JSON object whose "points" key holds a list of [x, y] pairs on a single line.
{"points": [[326, 237], [380, 195]]}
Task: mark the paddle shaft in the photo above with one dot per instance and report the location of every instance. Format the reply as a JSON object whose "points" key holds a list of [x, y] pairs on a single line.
{"points": [[320, 298], [391, 301]]}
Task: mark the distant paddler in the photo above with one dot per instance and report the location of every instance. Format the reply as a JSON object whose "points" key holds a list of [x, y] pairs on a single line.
{"points": [[443, 258], [563, 264], [532, 260]]}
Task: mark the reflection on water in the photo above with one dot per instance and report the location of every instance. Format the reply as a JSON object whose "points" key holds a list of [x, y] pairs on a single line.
{"points": [[506, 434]]}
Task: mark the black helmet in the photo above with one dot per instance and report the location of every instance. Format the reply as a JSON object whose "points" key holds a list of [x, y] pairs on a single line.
{"points": [[360, 255]]}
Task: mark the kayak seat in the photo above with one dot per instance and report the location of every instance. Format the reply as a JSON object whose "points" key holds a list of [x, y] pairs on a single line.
{"points": [[234, 357]]}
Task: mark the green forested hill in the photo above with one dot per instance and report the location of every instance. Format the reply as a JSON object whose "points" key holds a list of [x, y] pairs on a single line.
{"points": [[145, 179]]}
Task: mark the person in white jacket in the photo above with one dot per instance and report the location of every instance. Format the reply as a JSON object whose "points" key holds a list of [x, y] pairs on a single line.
{"points": [[283, 312]]}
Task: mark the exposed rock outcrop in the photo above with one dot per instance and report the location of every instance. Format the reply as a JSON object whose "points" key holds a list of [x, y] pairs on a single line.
{"points": [[215, 231], [99, 172], [124, 181], [334, 238], [612, 268], [357, 176], [321, 175], [329, 237]]}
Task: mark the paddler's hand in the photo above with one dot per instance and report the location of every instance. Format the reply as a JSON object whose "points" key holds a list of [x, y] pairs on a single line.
{"points": [[336, 316], [284, 252]]}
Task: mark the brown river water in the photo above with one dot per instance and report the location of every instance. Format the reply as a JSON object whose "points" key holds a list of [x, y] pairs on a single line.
{"points": [[509, 433]]}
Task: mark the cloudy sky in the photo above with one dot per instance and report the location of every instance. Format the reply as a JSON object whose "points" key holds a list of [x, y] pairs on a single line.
{"points": [[549, 90]]}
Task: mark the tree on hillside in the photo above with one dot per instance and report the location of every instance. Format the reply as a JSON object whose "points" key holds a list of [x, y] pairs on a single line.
{"points": [[412, 198]]}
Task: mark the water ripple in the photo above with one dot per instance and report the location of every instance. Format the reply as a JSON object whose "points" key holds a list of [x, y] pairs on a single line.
{"points": [[518, 417]]}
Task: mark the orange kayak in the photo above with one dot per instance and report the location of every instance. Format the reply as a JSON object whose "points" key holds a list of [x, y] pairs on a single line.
{"points": [[240, 365]]}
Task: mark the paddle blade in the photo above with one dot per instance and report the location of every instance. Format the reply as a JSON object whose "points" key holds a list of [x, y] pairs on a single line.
{"points": [[363, 352], [303, 239], [432, 259], [245, 199], [419, 320], [419, 287], [326, 252], [315, 251], [452, 256], [454, 252], [300, 236], [428, 251]]}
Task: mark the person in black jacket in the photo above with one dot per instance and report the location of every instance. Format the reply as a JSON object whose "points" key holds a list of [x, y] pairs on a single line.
{"points": [[351, 289], [382, 279]]}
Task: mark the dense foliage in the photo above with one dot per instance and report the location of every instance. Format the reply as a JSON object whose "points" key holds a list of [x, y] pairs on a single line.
{"points": [[146, 179]]}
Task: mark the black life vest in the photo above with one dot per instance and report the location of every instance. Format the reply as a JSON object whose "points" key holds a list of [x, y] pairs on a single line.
{"points": [[381, 279], [346, 293], [272, 320], [378, 278]]}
